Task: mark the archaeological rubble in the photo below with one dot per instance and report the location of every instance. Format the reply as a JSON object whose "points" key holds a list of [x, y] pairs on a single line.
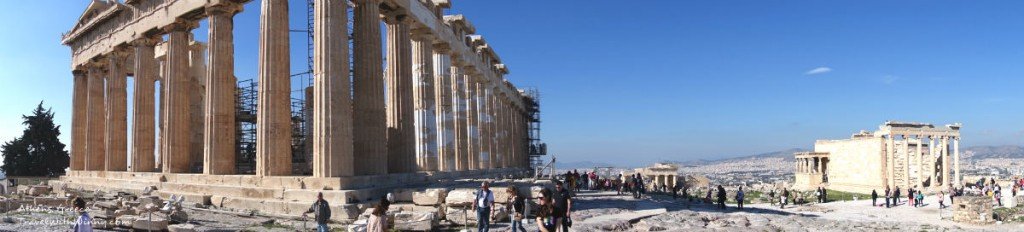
{"points": [[428, 103]]}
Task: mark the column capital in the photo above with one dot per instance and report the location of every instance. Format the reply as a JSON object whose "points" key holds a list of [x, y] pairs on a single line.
{"points": [[224, 7], [180, 25], [361, 2], [146, 41], [396, 17]]}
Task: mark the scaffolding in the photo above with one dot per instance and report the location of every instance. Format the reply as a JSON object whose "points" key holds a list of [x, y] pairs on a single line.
{"points": [[537, 148], [245, 124]]}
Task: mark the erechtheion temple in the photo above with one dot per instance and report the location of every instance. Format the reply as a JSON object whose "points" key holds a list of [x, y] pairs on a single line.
{"points": [[657, 175], [899, 154], [428, 102]]}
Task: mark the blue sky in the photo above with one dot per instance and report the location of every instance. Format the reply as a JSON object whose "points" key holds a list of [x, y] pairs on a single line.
{"points": [[671, 80]]}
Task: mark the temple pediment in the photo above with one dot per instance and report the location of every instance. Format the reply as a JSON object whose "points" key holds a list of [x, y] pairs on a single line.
{"points": [[97, 11]]}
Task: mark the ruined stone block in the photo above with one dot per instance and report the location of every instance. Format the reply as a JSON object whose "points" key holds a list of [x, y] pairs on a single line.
{"points": [[432, 197]]}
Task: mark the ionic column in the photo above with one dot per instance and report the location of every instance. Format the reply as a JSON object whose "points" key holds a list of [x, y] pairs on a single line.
{"points": [[401, 135], [931, 157], [117, 113], [273, 113], [95, 137], [79, 115], [472, 134], [889, 158], [332, 102], [143, 110], [219, 117], [920, 166], [445, 116], [906, 160], [956, 161], [945, 161], [424, 97], [370, 122], [177, 126]]}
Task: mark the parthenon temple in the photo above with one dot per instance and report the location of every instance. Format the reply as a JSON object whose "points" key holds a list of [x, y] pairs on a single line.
{"points": [[428, 102], [898, 154]]}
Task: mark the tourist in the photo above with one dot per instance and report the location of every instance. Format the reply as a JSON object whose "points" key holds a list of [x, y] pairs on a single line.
{"points": [[545, 217], [562, 202], [739, 198], [771, 197], [874, 198], [896, 197], [321, 212], [84, 222], [888, 194], [483, 204], [920, 199], [721, 197], [707, 198], [910, 196], [517, 205], [817, 194], [378, 221], [824, 195], [784, 198], [618, 185], [941, 204]]}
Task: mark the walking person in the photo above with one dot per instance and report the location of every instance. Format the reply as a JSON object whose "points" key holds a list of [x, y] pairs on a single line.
{"points": [[321, 212], [896, 197], [562, 202], [517, 206], [771, 197], [545, 217], [941, 198], [721, 197], [874, 198], [483, 205], [84, 221], [888, 194], [817, 194], [378, 221], [785, 197], [739, 198]]}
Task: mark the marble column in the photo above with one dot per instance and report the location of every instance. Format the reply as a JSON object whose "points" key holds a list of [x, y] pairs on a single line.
{"points": [[219, 117], [273, 113], [117, 112], [503, 130], [906, 161], [445, 116], [495, 147], [956, 161], [143, 110], [945, 162], [461, 109], [370, 122], [80, 108], [920, 166], [890, 154], [332, 98], [424, 97], [472, 134], [932, 158], [97, 120], [400, 110], [177, 125], [481, 115]]}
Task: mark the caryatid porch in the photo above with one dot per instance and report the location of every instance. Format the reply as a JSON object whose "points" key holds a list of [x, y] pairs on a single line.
{"points": [[440, 108]]}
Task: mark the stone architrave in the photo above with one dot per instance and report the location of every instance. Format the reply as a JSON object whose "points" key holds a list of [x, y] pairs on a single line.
{"points": [[332, 110], [401, 135], [144, 112], [219, 121], [273, 115], [370, 122]]}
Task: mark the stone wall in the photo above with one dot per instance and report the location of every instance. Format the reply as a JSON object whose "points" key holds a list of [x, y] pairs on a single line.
{"points": [[973, 209], [855, 165]]}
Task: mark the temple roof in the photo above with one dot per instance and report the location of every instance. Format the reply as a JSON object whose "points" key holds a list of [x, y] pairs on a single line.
{"points": [[95, 12]]}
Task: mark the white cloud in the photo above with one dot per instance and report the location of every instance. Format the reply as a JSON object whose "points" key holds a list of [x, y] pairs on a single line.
{"points": [[818, 70], [889, 79]]}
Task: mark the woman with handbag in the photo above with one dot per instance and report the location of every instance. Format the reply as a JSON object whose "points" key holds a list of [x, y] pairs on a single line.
{"points": [[516, 204]]}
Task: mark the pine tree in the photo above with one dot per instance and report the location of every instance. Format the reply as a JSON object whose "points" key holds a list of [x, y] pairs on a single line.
{"points": [[37, 152]]}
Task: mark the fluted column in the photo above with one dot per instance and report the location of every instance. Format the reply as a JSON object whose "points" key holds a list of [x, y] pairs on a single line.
{"points": [[945, 161], [273, 115], [482, 120], [219, 121], [458, 87], [117, 113], [332, 98], [920, 166], [492, 127], [956, 161], [472, 135], [400, 110], [931, 157], [143, 111], [80, 108], [370, 119], [96, 120], [424, 97], [178, 82], [445, 114]]}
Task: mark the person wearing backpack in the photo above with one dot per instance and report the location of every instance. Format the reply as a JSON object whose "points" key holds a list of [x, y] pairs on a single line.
{"points": [[483, 205]]}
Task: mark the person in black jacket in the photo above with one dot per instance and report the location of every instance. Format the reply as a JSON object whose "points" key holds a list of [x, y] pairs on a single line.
{"points": [[517, 205], [874, 197], [721, 196]]}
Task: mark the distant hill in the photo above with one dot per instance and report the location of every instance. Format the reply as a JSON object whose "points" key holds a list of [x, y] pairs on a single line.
{"points": [[988, 152], [581, 165], [786, 155]]}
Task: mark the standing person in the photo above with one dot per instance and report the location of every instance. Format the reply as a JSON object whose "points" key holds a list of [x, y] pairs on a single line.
{"points": [[483, 204], [785, 196], [545, 217], [739, 198], [637, 185], [84, 221], [618, 185], [563, 206], [321, 212], [874, 197], [517, 204], [824, 195], [721, 197], [378, 221], [887, 195], [910, 196], [941, 197], [771, 197], [817, 194], [707, 198], [896, 197]]}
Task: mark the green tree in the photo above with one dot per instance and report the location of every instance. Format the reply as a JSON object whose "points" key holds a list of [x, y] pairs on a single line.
{"points": [[37, 152]]}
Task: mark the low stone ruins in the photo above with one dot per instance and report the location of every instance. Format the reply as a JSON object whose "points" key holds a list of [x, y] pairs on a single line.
{"points": [[441, 110], [898, 154]]}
